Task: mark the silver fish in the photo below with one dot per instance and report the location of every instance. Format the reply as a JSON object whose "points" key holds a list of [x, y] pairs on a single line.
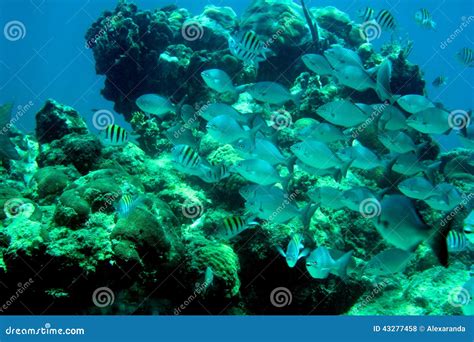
{"points": [[258, 171], [388, 262], [430, 121], [155, 105], [445, 197], [327, 197], [323, 132], [416, 187], [398, 142], [342, 113], [218, 80], [272, 93], [294, 251], [226, 130], [320, 264], [317, 64], [317, 154], [400, 225], [414, 103]]}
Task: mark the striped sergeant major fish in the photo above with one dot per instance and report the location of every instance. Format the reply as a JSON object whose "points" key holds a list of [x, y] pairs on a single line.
{"points": [[386, 20], [366, 14], [424, 19], [456, 241], [127, 204], [186, 159], [234, 225], [248, 48], [466, 56], [114, 135], [215, 173]]}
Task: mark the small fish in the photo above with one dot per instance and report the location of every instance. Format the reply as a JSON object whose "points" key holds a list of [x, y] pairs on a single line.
{"points": [[416, 187], [392, 118], [234, 225], [430, 121], [342, 113], [317, 64], [248, 48], [318, 155], [340, 57], [294, 251], [408, 164], [218, 80], [209, 112], [272, 93], [359, 156], [327, 197], [400, 225], [227, 130], [353, 198], [258, 171], [127, 204], [440, 81], [386, 20], [457, 241], [388, 262], [155, 105], [445, 197], [466, 57], [414, 103], [366, 14], [186, 157], [398, 142], [355, 77], [261, 149], [424, 18], [214, 173], [114, 135], [323, 132], [320, 264]]}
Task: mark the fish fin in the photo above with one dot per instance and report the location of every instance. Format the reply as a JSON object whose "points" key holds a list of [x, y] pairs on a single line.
{"points": [[290, 163], [430, 171], [343, 170], [304, 253], [307, 213], [241, 88], [342, 264], [285, 181], [439, 245], [281, 251]]}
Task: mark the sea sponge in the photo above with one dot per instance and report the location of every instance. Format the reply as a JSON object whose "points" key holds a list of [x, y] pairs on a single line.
{"points": [[220, 257], [51, 180], [72, 210]]}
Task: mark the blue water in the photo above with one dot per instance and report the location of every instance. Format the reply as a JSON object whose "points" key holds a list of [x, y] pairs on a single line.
{"points": [[52, 61]]}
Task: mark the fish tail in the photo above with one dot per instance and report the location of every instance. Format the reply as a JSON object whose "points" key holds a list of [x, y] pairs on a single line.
{"points": [[342, 264], [307, 213]]}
